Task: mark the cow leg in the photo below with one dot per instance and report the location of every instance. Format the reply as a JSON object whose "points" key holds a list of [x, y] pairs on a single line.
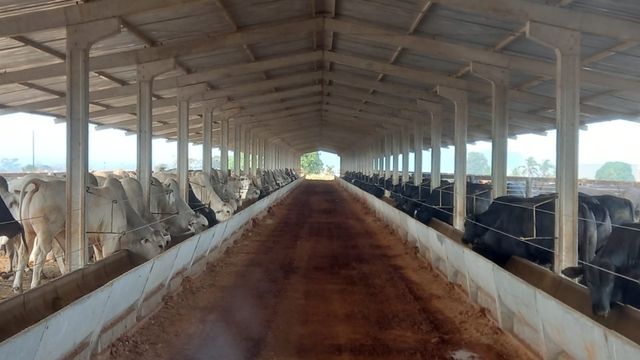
{"points": [[43, 245], [23, 258], [58, 254]]}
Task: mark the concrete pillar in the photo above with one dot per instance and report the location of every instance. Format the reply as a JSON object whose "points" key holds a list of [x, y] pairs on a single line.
{"points": [[435, 111], [237, 149], [459, 99], [207, 136], [388, 145], [184, 93], [566, 44], [263, 143], [80, 38], [224, 145], [405, 154], [499, 79], [418, 138], [246, 141], [395, 138], [255, 155], [145, 75]]}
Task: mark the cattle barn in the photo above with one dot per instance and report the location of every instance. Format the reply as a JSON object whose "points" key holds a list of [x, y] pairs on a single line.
{"points": [[251, 260]]}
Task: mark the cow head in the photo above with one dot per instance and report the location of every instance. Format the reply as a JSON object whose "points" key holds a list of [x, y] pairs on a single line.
{"points": [[599, 277], [148, 246], [224, 212], [470, 230], [198, 223]]}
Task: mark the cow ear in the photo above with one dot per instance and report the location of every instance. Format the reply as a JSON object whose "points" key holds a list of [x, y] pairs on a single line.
{"points": [[572, 272]]}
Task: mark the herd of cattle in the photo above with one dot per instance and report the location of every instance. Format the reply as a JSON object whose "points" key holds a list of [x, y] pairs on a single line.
{"points": [[608, 232], [32, 213]]}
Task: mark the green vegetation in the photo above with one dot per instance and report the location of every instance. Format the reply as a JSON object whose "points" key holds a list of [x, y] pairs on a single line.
{"points": [[615, 170], [477, 164], [532, 168], [311, 163]]}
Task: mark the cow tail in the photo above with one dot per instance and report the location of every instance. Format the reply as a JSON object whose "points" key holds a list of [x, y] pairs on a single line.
{"points": [[36, 184]]}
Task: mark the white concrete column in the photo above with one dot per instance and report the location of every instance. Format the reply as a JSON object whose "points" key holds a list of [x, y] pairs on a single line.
{"points": [[237, 149], [418, 139], [388, 148], [566, 44], [499, 79], [459, 99], [80, 38], [263, 144], [184, 93], [145, 74], [207, 135], [435, 111], [224, 145], [395, 138], [255, 155], [246, 141], [382, 156], [405, 154]]}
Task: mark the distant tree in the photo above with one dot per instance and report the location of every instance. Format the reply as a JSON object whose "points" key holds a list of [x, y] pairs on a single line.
{"points": [[615, 170], [547, 169], [9, 165], [531, 168], [311, 163], [329, 169], [477, 164]]}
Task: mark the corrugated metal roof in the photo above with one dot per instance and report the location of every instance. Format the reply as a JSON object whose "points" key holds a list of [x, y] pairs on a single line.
{"points": [[398, 73]]}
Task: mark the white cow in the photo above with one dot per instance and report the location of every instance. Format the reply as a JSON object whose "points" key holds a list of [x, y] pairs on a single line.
{"points": [[133, 191], [111, 223], [203, 189], [185, 216]]}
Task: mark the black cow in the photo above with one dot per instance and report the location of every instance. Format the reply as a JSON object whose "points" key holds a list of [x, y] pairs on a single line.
{"points": [[601, 216], [620, 209], [411, 197], [196, 205], [619, 255], [440, 203], [9, 227], [525, 227]]}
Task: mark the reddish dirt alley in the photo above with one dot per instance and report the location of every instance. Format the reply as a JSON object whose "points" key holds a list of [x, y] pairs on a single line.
{"points": [[319, 278]]}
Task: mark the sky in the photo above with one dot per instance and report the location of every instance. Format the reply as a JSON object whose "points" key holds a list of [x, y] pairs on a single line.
{"points": [[112, 149]]}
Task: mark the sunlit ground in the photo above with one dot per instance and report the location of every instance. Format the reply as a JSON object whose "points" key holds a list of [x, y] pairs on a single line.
{"points": [[324, 177]]}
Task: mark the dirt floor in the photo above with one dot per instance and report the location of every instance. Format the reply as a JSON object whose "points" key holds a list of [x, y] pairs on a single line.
{"points": [[319, 278], [50, 271]]}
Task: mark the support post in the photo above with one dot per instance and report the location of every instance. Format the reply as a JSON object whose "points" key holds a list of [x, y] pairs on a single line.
{"points": [[255, 156], [145, 74], [459, 99], [237, 149], [405, 154], [418, 138], [207, 136], [395, 137], [566, 44], [435, 112], [246, 141], [224, 145], [388, 144], [80, 38], [499, 79], [184, 93]]}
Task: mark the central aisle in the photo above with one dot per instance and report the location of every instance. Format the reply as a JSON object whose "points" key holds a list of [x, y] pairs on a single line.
{"points": [[318, 278]]}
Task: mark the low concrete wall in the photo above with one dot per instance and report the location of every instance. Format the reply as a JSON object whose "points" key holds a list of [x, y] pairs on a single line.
{"points": [[546, 325], [87, 326]]}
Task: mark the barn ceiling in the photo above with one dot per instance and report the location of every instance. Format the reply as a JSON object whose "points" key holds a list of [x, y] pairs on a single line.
{"points": [[321, 74]]}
